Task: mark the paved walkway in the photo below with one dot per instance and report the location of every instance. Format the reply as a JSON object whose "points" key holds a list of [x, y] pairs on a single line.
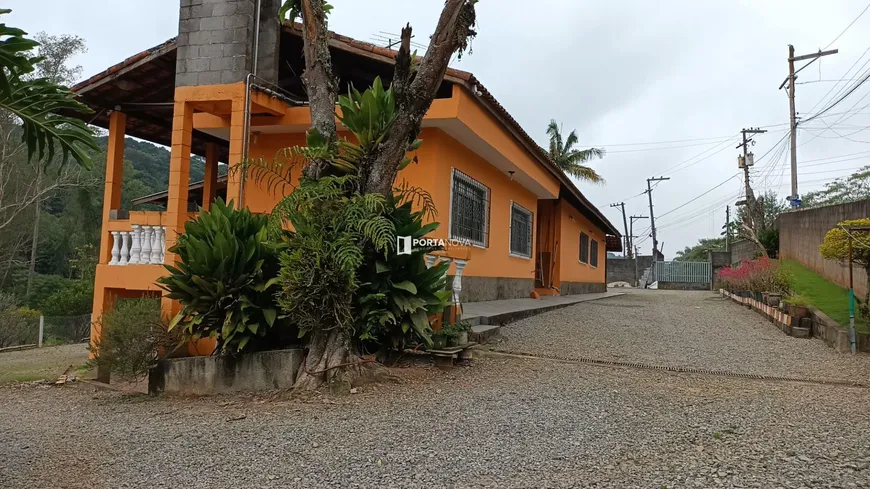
{"points": [[495, 312]]}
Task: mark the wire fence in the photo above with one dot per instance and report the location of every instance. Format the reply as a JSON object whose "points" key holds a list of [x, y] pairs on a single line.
{"points": [[62, 330], [18, 328]]}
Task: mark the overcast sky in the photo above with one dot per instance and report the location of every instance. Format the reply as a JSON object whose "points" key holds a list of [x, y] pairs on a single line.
{"points": [[620, 73]]}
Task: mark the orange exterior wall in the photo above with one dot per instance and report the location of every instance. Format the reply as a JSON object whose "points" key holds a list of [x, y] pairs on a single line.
{"points": [[494, 260], [570, 269]]}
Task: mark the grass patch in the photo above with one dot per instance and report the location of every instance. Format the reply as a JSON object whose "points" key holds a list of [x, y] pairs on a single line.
{"points": [[828, 297]]}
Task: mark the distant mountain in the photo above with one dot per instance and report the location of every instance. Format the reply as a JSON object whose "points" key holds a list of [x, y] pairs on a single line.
{"points": [[152, 163]]}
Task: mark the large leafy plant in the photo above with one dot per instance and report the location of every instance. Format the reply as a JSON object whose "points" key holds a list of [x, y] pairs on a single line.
{"points": [[38, 102], [399, 293], [333, 226], [225, 279]]}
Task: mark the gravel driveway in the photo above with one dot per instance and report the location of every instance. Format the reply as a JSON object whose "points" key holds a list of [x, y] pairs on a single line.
{"points": [[679, 328], [504, 422]]}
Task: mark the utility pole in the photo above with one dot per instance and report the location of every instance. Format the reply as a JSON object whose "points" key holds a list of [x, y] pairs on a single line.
{"points": [[755, 212], [792, 76], [631, 232], [625, 242], [652, 217], [636, 254], [727, 227]]}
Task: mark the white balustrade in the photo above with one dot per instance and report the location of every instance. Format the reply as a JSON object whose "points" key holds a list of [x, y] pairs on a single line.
{"points": [[125, 247], [430, 260], [116, 248], [135, 246], [156, 246], [144, 245], [457, 280]]}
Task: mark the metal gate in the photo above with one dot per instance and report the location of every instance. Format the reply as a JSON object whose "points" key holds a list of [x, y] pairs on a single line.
{"points": [[683, 271]]}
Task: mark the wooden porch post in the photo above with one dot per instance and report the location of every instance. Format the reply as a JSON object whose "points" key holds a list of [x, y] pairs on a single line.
{"points": [[211, 170]]}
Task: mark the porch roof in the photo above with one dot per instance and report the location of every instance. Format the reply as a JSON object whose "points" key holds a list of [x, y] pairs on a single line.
{"points": [[143, 87]]}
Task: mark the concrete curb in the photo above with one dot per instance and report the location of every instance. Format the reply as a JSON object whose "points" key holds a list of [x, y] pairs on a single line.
{"points": [[17, 348], [514, 316]]}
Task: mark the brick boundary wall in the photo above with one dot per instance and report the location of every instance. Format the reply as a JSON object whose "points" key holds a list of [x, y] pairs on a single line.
{"points": [[802, 232]]}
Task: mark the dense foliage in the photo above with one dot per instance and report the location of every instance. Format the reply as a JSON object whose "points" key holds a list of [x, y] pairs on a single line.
{"points": [[756, 276], [18, 326], [836, 246], [225, 278], [38, 103], [133, 338], [398, 293]]}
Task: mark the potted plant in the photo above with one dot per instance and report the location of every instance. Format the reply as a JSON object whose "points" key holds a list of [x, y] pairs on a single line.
{"points": [[439, 339], [452, 333], [798, 306], [462, 328]]}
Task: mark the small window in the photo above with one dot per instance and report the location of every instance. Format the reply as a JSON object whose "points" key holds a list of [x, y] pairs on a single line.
{"points": [[593, 257], [521, 231], [584, 248], [469, 209]]}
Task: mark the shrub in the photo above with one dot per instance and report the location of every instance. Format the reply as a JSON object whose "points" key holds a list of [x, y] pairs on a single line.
{"points": [[133, 337], [333, 227], [225, 279], [398, 292], [74, 299], [18, 326], [798, 301], [759, 275]]}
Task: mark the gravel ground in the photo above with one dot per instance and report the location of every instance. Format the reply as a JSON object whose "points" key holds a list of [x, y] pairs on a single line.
{"points": [[501, 423], [41, 363], [505, 422], [678, 328]]}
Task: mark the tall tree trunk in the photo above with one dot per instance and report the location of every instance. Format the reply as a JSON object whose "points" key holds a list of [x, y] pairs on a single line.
{"points": [[328, 353], [330, 358], [34, 244], [320, 82]]}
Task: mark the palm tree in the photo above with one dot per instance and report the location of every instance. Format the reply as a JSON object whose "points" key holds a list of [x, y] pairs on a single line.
{"points": [[571, 160], [39, 103]]}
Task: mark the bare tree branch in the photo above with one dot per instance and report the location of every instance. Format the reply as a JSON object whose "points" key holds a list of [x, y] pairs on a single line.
{"points": [[451, 34]]}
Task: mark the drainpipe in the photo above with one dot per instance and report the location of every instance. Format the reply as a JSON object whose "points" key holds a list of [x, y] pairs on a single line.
{"points": [[247, 117]]}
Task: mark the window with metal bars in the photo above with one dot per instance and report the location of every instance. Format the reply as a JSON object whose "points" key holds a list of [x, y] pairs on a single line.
{"points": [[521, 231], [469, 209], [584, 248], [593, 254]]}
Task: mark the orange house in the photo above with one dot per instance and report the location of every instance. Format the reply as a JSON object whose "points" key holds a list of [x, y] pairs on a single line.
{"points": [[493, 186]]}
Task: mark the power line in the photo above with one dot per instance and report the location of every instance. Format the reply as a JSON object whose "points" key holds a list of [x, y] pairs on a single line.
{"points": [[663, 147], [847, 27], [698, 197], [655, 142], [845, 75]]}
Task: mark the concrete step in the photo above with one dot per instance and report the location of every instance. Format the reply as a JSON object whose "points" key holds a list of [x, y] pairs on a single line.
{"points": [[483, 333]]}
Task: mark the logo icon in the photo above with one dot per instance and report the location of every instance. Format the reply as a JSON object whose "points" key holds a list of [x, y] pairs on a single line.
{"points": [[403, 245]]}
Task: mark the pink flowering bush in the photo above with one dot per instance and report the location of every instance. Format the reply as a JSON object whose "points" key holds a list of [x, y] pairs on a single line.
{"points": [[759, 275]]}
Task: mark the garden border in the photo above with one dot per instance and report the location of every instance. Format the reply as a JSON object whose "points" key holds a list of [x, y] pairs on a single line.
{"points": [[819, 325]]}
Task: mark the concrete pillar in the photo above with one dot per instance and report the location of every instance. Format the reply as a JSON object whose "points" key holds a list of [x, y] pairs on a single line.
{"points": [[216, 41], [114, 177], [237, 141], [209, 183], [179, 179]]}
